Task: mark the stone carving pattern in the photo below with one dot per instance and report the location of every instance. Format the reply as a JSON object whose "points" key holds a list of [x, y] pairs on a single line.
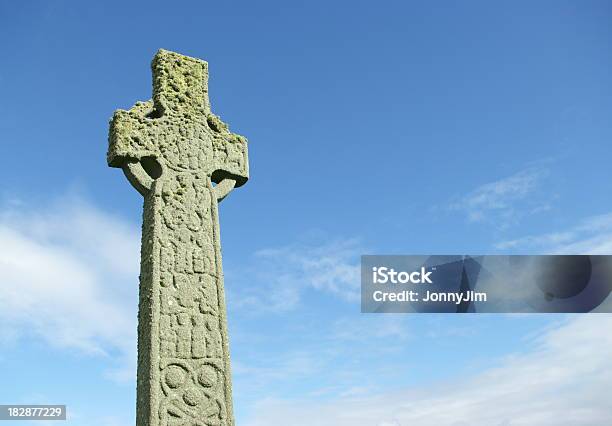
{"points": [[192, 373]]}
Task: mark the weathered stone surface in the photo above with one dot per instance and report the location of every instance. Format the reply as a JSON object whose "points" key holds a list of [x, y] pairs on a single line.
{"points": [[172, 149]]}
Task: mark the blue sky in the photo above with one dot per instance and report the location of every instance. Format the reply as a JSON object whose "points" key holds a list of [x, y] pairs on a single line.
{"points": [[374, 128]]}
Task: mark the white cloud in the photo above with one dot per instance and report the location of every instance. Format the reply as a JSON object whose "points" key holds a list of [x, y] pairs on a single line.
{"points": [[348, 355], [505, 201], [564, 381], [69, 276], [592, 235], [298, 364], [285, 274], [366, 328]]}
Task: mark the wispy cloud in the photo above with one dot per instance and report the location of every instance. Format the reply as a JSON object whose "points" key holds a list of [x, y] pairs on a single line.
{"points": [[564, 381], [285, 274], [371, 327], [69, 276], [505, 201], [592, 235], [318, 356]]}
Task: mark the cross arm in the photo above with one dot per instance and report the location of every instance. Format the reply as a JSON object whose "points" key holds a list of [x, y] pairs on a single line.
{"points": [[230, 153], [132, 135], [131, 145]]}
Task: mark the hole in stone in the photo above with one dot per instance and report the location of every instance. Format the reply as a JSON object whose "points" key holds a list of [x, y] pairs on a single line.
{"points": [[156, 113], [151, 166], [213, 124]]}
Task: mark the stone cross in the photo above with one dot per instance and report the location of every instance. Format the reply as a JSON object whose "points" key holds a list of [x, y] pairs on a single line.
{"points": [[183, 160]]}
